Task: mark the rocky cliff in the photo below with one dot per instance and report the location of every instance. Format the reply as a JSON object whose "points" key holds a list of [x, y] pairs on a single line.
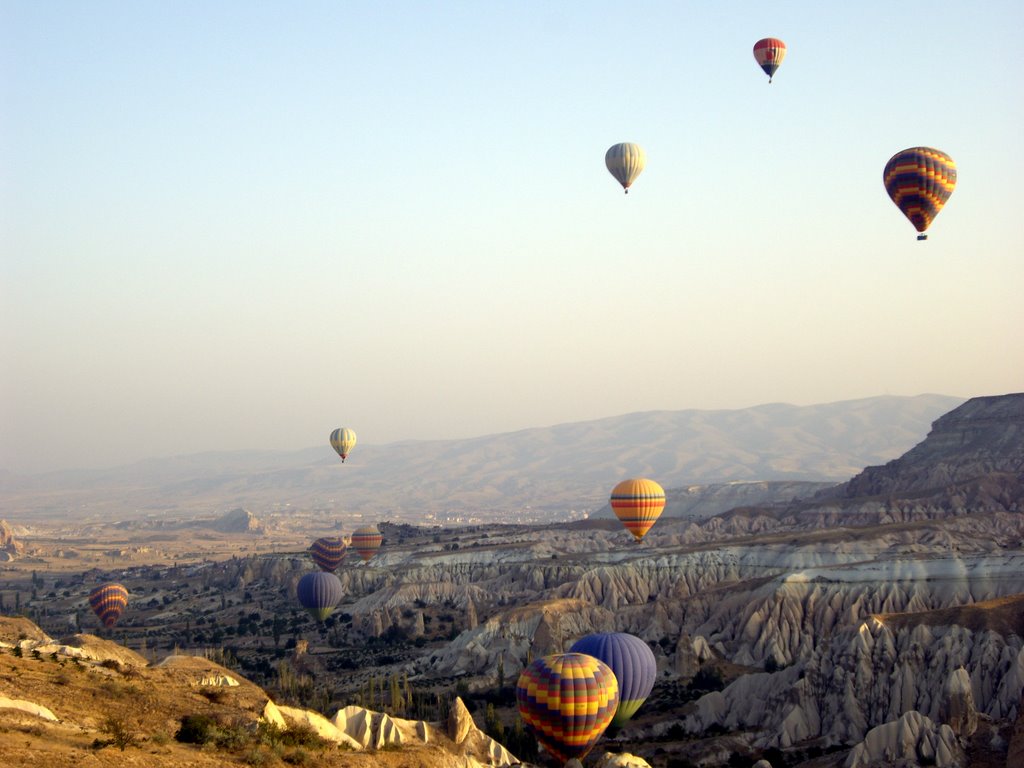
{"points": [[9, 546], [976, 448], [238, 521]]}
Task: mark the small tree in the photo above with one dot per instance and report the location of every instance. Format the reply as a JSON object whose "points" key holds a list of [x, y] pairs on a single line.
{"points": [[493, 726], [120, 733]]}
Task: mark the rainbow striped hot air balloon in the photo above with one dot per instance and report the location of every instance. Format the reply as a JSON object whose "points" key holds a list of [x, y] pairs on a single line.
{"points": [[108, 602], [638, 504], [920, 180], [328, 552], [633, 663], [625, 161], [567, 700], [343, 440], [769, 53], [319, 593], [366, 541]]}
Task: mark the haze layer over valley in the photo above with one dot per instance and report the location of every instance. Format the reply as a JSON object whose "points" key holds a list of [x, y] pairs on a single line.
{"points": [[542, 474]]}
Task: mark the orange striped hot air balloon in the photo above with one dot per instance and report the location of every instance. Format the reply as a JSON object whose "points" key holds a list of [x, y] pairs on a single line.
{"points": [[366, 541], [638, 504], [920, 180], [108, 602], [769, 53]]}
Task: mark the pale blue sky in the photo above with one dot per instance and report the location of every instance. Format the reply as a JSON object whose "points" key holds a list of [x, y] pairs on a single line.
{"points": [[240, 224]]}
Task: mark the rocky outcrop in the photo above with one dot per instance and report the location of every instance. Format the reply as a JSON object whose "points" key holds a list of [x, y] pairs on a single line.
{"points": [[957, 707], [323, 727], [912, 740], [982, 439], [873, 674], [1015, 751], [8, 544], [28, 707], [621, 760], [238, 521], [460, 722]]}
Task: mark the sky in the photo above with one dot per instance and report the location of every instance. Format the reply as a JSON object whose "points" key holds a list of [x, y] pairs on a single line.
{"points": [[239, 225]]}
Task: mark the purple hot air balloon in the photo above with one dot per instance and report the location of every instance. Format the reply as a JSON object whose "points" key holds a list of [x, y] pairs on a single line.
{"points": [[319, 592], [631, 660]]}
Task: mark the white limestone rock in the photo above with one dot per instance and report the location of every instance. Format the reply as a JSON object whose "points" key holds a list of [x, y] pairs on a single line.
{"points": [[957, 708], [460, 722], [323, 727], [913, 738], [621, 760], [21, 705], [272, 715], [356, 723]]}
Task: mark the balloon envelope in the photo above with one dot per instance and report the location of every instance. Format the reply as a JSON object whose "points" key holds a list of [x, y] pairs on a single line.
{"points": [[567, 700], [319, 593], [328, 552], [625, 162], [638, 504], [343, 440], [633, 663], [366, 541], [108, 602], [920, 180], [769, 53]]}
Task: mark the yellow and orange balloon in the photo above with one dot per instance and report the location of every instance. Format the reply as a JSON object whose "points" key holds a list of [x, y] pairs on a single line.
{"points": [[638, 504], [366, 541]]}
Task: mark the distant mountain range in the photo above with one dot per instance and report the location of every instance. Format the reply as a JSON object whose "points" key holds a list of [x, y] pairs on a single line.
{"points": [[540, 473]]}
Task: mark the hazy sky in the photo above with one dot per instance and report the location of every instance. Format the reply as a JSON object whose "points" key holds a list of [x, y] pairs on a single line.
{"points": [[239, 224]]}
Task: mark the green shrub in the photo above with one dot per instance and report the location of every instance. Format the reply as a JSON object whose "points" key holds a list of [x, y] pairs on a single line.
{"points": [[298, 756]]}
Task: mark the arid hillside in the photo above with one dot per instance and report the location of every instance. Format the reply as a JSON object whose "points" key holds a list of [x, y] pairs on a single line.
{"points": [[89, 702]]}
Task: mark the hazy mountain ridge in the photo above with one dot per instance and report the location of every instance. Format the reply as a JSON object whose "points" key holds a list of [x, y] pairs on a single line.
{"points": [[550, 469]]}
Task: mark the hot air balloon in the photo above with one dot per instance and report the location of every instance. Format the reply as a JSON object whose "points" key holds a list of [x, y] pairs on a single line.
{"points": [[366, 541], [920, 180], [638, 504], [108, 601], [319, 593], [625, 162], [567, 700], [328, 552], [769, 53], [631, 660], [343, 440]]}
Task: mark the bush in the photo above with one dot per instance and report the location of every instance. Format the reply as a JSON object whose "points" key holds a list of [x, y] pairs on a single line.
{"points": [[196, 729], [298, 757]]}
